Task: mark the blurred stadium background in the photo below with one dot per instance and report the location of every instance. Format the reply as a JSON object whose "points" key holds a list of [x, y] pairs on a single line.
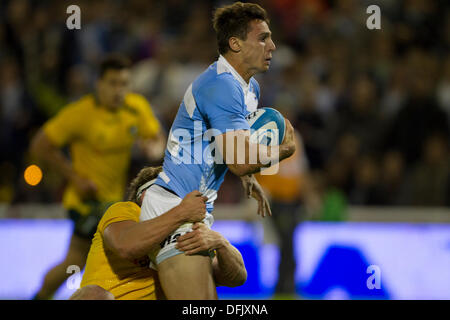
{"points": [[372, 106]]}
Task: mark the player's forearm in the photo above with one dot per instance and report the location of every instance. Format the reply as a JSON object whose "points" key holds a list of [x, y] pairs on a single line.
{"points": [[139, 239], [245, 169], [229, 267], [259, 157], [43, 149], [244, 157]]}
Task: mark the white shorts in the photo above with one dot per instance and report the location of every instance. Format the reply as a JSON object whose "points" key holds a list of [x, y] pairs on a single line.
{"points": [[158, 201]]}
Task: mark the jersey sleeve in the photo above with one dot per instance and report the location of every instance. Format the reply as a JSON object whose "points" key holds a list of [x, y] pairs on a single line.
{"points": [[148, 125], [65, 126], [120, 211], [223, 104]]}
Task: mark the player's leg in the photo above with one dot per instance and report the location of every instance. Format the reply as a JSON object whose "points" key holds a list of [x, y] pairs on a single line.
{"points": [[92, 292], [160, 295], [76, 255], [181, 276], [187, 277], [284, 219]]}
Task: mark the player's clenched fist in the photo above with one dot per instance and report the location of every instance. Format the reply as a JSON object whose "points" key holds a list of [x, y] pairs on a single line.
{"points": [[194, 205]]}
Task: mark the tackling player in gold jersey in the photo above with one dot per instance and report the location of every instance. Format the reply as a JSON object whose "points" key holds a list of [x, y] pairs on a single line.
{"points": [[117, 266]]}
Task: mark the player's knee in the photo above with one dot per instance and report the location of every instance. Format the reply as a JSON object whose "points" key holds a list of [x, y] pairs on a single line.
{"points": [[92, 292]]}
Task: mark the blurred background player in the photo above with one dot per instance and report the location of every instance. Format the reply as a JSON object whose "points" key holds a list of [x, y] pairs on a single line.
{"points": [[118, 261], [291, 194], [219, 99], [100, 129]]}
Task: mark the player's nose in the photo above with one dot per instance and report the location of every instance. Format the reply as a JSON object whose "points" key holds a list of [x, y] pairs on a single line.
{"points": [[272, 46]]}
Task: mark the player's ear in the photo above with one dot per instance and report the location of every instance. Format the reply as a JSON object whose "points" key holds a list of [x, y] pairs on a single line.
{"points": [[235, 44]]}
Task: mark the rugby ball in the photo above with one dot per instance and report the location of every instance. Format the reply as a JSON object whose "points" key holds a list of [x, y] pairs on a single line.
{"points": [[267, 126]]}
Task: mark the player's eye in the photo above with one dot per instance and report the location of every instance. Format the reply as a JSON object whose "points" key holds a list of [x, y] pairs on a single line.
{"points": [[264, 37]]}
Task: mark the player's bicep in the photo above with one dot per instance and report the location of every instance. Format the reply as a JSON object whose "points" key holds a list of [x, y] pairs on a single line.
{"points": [[219, 278], [112, 235]]}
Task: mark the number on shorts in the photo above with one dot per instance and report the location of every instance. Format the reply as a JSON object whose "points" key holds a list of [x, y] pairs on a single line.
{"points": [[170, 239]]}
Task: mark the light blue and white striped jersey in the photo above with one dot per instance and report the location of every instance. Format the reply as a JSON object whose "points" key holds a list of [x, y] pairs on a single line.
{"points": [[216, 102]]}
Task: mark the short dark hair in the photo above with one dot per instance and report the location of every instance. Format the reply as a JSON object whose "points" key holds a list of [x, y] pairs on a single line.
{"points": [[234, 21], [114, 62], [145, 175]]}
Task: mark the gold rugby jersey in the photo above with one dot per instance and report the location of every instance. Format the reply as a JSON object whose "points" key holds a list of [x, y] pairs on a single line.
{"points": [[100, 142], [126, 280]]}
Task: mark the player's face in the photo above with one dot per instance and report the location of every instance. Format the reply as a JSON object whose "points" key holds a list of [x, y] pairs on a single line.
{"points": [[141, 198], [258, 47], [112, 87]]}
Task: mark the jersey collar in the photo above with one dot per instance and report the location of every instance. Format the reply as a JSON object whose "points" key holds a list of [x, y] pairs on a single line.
{"points": [[224, 66], [97, 104]]}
